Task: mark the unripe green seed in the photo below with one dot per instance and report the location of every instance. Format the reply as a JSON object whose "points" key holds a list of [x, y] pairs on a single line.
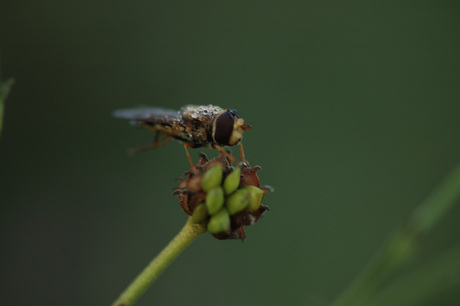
{"points": [[215, 200], [219, 222], [237, 201], [255, 197], [232, 181], [200, 213], [212, 178]]}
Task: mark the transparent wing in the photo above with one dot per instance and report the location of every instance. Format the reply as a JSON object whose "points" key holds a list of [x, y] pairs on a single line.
{"points": [[146, 114]]}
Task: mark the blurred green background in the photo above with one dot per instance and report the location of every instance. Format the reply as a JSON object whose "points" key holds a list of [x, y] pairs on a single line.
{"points": [[355, 108]]}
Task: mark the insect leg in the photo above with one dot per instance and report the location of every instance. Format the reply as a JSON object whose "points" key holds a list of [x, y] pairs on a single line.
{"points": [[157, 142], [221, 150], [242, 154], [186, 145]]}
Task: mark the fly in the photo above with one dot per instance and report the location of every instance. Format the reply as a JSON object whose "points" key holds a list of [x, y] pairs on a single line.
{"points": [[195, 126]]}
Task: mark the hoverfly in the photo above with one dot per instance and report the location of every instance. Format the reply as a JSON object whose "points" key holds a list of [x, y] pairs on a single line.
{"points": [[195, 126]]}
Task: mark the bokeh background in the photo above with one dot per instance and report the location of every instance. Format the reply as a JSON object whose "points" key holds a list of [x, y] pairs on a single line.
{"points": [[355, 108]]}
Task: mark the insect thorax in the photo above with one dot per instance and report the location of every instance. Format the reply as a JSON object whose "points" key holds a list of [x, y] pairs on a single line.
{"points": [[198, 122]]}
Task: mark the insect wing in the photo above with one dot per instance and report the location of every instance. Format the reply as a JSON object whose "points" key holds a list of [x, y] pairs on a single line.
{"points": [[146, 114]]}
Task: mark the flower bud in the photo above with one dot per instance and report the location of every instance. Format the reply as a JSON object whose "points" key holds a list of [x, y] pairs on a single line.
{"points": [[222, 197], [215, 200], [219, 222], [200, 213], [237, 201], [255, 197], [232, 181], [212, 178]]}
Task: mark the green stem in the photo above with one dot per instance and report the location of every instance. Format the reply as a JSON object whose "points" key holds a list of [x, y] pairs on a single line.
{"points": [[397, 251], [4, 90], [438, 276], [188, 233]]}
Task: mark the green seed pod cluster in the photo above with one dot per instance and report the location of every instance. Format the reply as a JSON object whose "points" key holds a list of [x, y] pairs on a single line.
{"points": [[222, 197]]}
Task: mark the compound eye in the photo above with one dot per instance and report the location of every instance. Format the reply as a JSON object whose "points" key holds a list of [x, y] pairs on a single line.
{"points": [[223, 127]]}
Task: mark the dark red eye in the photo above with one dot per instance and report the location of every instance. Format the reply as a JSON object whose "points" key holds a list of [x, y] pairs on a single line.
{"points": [[224, 127]]}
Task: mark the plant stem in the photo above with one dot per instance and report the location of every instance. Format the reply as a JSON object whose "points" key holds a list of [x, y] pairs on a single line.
{"points": [[188, 233], [437, 276], [4, 90], [397, 251]]}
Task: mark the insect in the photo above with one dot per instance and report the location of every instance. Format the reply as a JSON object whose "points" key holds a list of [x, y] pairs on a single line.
{"points": [[195, 126]]}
